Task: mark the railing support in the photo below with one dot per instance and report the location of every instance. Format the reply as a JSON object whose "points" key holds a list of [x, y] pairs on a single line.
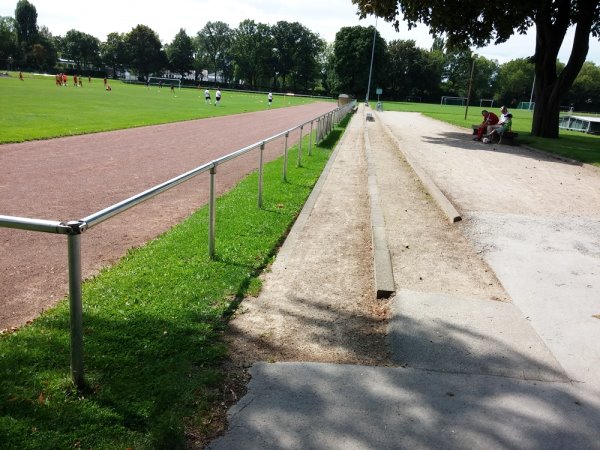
{"points": [[211, 212], [285, 156], [310, 139], [299, 163], [76, 304], [260, 175]]}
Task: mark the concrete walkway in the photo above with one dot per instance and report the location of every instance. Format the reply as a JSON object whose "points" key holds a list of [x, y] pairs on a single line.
{"points": [[469, 372]]}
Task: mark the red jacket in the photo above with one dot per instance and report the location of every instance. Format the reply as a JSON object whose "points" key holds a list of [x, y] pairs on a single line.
{"points": [[491, 119]]}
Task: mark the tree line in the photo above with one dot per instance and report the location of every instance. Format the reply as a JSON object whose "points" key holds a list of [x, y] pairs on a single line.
{"points": [[288, 56]]}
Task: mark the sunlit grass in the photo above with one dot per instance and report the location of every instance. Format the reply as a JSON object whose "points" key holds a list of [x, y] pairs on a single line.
{"points": [[37, 109]]}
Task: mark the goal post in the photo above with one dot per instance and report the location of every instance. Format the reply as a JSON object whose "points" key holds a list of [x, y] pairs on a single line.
{"points": [[489, 102], [164, 82], [447, 100], [526, 105]]}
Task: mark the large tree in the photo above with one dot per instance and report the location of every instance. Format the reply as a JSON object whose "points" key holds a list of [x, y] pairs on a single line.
{"points": [[352, 51], [252, 50], [412, 71], [144, 51], [474, 23], [81, 47], [181, 53], [26, 27], [215, 38], [113, 51]]}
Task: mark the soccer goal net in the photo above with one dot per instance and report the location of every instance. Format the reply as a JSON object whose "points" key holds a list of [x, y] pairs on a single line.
{"points": [[164, 82], [413, 98], [526, 105], [461, 101], [486, 102]]}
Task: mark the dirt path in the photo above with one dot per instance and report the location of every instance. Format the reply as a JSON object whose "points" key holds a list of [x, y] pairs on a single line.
{"points": [[69, 178]]}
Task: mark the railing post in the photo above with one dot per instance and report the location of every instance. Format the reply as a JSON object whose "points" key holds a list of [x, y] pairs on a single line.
{"points": [[285, 156], [299, 163], [76, 303], [260, 175], [310, 139], [211, 212]]}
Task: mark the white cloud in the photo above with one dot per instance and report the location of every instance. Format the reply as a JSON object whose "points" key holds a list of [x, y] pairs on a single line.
{"points": [[325, 17]]}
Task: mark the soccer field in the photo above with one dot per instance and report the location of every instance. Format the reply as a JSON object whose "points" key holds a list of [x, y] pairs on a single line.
{"points": [[38, 109]]}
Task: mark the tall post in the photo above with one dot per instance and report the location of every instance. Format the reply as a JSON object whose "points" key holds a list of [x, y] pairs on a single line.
{"points": [[470, 86], [299, 163], [260, 175], [371, 68], [76, 305], [285, 156], [310, 139], [211, 213]]}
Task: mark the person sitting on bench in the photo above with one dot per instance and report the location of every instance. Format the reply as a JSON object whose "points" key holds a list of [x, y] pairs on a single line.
{"points": [[489, 118], [503, 114], [505, 127]]}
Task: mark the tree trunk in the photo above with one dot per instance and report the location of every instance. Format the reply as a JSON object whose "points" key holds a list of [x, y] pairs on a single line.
{"points": [[550, 87], [546, 111]]}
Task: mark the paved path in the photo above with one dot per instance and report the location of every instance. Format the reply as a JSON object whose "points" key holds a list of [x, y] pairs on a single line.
{"points": [[472, 369]]}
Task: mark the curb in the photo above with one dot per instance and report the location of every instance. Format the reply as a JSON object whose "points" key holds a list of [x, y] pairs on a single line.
{"points": [[445, 205], [385, 285]]}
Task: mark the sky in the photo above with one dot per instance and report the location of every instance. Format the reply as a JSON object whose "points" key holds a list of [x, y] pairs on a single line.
{"points": [[325, 17]]}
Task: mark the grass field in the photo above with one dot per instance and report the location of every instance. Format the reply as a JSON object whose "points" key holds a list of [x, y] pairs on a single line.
{"points": [[37, 109], [571, 144], [152, 327]]}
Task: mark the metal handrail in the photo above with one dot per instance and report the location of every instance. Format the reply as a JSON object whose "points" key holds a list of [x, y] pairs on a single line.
{"points": [[74, 229]]}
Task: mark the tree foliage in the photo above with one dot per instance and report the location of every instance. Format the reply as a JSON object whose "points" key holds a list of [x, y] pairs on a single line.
{"points": [[215, 38], [180, 53], [113, 51], [80, 47], [252, 50], [352, 60], [144, 51]]}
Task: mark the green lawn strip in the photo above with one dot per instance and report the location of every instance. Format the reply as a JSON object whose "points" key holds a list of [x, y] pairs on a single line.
{"points": [[152, 327], [571, 144], [37, 109]]}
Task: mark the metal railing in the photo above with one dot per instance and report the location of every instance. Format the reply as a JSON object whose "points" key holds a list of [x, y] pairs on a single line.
{"points": [[73, 229]]}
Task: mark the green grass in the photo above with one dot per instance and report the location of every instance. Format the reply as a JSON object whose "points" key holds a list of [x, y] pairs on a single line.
{"points": [[571, 144], [152, 327], [37, 109]]}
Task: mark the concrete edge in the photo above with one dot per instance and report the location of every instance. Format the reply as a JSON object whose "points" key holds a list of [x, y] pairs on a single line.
{"points": [[445, 205], [306, 211], [385, 285]]}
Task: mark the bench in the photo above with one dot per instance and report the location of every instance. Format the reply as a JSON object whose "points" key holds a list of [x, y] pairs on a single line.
{"points": [[507, 138]]}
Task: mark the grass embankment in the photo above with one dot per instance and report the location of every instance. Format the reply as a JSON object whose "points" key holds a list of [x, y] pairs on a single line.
{"points": [[571, 144], [37, 109], [152, 327]]}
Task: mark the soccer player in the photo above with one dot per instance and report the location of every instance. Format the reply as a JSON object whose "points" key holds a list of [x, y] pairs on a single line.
{"points": [[270, 98], [218, 97], [207, 96]]}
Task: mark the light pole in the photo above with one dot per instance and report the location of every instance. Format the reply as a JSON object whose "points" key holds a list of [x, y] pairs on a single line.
{"points": [[371, 68]]}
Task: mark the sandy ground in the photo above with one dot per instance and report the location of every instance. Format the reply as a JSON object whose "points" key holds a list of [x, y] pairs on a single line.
{"points": [[70, 178]]}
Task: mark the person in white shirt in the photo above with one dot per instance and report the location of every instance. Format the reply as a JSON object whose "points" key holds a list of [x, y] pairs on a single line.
{"points": [[270, 98], [207, 96], [218, 97], [503, 118]]}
